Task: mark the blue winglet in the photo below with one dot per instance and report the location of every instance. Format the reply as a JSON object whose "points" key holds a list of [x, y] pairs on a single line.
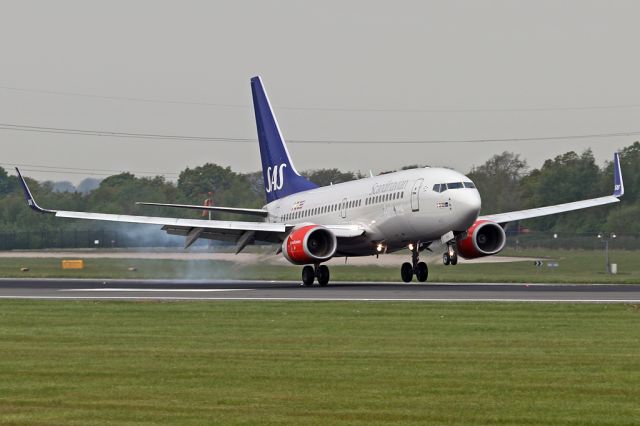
{"points": [[618, 184], [27, 195]]}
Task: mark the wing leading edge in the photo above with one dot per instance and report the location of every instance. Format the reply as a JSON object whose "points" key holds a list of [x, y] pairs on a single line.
{"points": [[618, 191]]}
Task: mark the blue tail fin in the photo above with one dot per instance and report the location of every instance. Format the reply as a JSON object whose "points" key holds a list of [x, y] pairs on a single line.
{"points": [[280, 176], [618, 184]]}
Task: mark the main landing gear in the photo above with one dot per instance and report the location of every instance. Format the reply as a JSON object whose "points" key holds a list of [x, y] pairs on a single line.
{"points": [[450, 257], [420, 269], [310, 273]]}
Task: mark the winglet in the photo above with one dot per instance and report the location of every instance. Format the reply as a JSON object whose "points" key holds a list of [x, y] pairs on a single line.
{"points": [[618, 184], [27, 195]]}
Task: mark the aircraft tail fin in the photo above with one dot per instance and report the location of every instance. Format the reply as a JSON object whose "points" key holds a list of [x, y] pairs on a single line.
{"points": [[280, 175]]}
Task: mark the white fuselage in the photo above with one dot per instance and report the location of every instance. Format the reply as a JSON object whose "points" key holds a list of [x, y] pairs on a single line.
{"points": [[395, 209]]}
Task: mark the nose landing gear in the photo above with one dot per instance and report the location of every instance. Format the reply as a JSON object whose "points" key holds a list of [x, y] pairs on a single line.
{"points": [[310, 273], [420, 269]]}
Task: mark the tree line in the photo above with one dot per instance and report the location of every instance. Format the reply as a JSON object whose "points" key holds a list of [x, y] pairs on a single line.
{"points": [[505, 182]]}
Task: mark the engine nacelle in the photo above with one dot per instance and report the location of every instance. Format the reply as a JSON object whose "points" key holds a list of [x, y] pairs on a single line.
{"points": [[309, 244], [484, 238]]}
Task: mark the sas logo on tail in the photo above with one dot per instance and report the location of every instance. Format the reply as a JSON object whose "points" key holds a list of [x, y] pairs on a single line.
{"points": [[275, 178]]}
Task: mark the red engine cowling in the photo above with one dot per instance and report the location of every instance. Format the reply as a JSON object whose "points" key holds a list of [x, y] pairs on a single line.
{"points": [[484, 238], [309, 244]]}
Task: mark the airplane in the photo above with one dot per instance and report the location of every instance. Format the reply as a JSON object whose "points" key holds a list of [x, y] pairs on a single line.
{"points": [[416, 209]]}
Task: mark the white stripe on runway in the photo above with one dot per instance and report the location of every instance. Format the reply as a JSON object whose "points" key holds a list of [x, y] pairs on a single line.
{"points": [[173, 290]]}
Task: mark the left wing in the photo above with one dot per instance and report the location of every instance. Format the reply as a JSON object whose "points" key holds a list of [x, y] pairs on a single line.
{"points": [[238, 232], [618, 191]]}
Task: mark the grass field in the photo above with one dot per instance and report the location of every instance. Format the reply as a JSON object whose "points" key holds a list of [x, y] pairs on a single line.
{"points": [[575, 266], [318, 363]]}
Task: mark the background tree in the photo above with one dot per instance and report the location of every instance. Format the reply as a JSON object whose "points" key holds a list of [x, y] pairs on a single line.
{"points": [[7, 183], [498, 181], [325, 177], [568, 177]]}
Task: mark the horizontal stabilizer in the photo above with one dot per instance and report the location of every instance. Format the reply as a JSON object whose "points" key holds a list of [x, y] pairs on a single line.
{"points": [[251, 212]]}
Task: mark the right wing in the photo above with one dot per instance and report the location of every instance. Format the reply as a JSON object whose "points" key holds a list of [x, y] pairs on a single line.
{"points": [[618, 191], [502, 218]]}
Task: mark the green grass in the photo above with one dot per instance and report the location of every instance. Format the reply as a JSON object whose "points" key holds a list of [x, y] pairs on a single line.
{"points": [[318, 363], [576, 266]]}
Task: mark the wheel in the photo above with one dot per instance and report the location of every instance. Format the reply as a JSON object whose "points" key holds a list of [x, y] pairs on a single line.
{"points": [[308, 275], [322, 273], [446, 259], [406, 272], [454, 259], [422, 272]]}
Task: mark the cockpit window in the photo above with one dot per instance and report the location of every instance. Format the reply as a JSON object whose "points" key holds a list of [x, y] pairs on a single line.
{"points": [[441, 187]]}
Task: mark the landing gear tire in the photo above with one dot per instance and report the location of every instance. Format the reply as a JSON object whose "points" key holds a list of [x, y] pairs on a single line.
{"points": [[322, 273], [422, 272], [446, 259], [406, 272], [454, 259], [308, 275]]}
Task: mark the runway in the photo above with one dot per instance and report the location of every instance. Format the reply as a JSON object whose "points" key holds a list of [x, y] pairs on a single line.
{"points": [[216, 290]]}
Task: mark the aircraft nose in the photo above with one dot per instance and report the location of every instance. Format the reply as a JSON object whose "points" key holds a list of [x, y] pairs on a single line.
{"points": [[468, 203]]}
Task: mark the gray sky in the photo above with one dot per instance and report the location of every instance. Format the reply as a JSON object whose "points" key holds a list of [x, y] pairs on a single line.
{"points": [[335, 70]]}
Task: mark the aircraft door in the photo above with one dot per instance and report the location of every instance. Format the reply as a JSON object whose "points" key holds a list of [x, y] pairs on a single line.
{"points": [[415, 195], [343, 208]]}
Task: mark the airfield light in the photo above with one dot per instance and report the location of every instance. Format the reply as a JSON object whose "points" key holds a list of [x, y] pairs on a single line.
{"points": [[605, 240]]}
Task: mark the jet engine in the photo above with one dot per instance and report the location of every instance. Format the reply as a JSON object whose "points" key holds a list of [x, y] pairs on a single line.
{"points": [[483, 238], [309, 244]]}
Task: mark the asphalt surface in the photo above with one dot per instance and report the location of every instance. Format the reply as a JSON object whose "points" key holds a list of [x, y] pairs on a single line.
{"points": [[283, 290]]}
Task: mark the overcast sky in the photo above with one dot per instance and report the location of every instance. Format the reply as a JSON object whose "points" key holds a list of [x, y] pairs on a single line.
{"points": [[335, 70]]}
